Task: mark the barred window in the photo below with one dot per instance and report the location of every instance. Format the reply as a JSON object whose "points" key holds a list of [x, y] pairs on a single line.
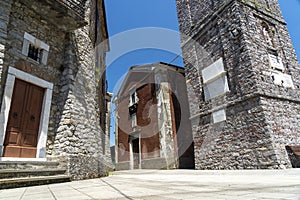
{"points": [[35, 53], [35, 49]]}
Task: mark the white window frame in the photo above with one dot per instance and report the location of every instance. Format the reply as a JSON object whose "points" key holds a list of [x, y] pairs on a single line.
{"points": [[29, 39], [131, 103], [14, 73], [136, 100]]}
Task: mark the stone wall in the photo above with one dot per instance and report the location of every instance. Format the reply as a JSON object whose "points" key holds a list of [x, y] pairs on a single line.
{"points": [[233, 31], [22, 20], [168, 148], [5, 7], [242, 142], [181, 123], [282, 118], [75, 136], [79, 135]]}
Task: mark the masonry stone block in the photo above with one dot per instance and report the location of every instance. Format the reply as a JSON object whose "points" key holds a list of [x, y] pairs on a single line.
{"points": [[263, 74]]}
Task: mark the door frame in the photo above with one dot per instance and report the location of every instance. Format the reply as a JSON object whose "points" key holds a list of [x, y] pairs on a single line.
{"points": [[14, 73], [131, 138]]}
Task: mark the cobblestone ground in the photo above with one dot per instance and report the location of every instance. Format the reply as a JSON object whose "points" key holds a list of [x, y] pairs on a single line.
{"points": [[173, 184]]}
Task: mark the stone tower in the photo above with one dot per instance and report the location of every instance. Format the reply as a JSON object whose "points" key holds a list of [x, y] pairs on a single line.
{"points": [[243, 82], [56, 51]]}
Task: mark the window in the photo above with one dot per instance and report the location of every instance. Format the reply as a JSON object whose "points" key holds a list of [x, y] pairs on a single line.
{"points": [[133, 98], [267, 34], [35, 53], [35, 49], [133, 103]]}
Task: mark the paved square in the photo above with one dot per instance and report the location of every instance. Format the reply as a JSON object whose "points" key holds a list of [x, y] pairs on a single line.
{"points": [[172, 184]]}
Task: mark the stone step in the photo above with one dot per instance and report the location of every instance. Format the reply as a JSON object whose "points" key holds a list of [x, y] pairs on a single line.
{"points": [[28, 165], [28, 173], [18, 173], [31, 181]]}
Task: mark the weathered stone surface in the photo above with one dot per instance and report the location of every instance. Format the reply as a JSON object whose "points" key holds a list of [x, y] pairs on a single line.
{"points": [[262, 116], [77, 118]]}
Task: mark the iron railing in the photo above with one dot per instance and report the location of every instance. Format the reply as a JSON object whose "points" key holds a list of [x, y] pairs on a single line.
{"points": [[78, 6]]}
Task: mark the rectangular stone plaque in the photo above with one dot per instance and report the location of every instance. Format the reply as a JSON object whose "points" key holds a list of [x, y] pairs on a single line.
{"points": [[216, 88], [288, 81], [219, 116], [212, 71], [276, 62], [284, 80]]}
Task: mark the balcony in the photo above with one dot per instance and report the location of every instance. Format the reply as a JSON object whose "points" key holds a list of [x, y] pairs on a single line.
{"points": [[67, 15], [76, 5]]}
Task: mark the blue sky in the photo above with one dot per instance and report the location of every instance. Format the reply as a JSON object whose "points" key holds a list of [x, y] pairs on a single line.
{"points": [[127, 19]]}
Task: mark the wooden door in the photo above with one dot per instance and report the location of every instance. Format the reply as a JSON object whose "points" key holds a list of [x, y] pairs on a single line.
{"points": [[24, 120], [136, 153]]}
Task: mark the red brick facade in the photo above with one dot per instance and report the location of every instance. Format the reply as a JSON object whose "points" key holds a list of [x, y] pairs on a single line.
{"points": [[146, 146]]}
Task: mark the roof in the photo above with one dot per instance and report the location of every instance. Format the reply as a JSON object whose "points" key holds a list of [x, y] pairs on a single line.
{"points": [[170, 66], [147, 68]]}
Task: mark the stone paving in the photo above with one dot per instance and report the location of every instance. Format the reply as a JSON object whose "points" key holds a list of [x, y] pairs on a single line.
{"points": [[173, 184]]}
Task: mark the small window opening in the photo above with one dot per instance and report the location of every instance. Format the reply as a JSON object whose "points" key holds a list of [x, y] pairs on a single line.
{"points": [[35, 53], [133, 103], [133, 98]]}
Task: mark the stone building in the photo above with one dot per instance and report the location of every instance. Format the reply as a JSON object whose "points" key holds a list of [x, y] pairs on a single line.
{"points": [[152, 126], [243, 83], [52, 83], [108, 98]]}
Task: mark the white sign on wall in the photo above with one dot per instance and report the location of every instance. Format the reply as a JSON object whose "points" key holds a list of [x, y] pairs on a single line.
{"points": [[214, 80], [276, 62], [219, 116], [213, 71], [216, 88], [281, 79]]}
